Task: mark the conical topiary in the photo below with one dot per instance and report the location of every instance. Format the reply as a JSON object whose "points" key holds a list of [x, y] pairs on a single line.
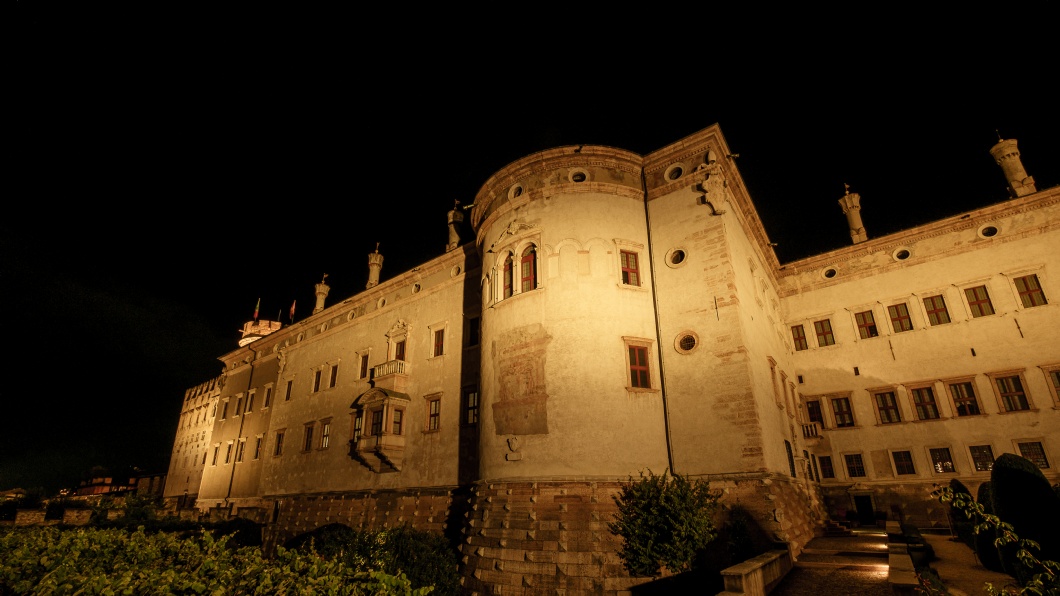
{"points": [[1023, 497], [984, 541], [962, 526]]}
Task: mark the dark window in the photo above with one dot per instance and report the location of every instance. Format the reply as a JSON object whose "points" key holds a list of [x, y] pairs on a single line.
{"points": [[638, 367], [224, 410], [936, 310], [979, 301], [816, 471], [791, 458], [630, 270], [940, 458], [826, 467], [841, 408], [239, 406], [399, 350], [439, 342], [528, 269], [900, 320], [364, 366], [1012, 394], [903, 462], [964, 399], [924, 400], [813, 412], [982, 457], [1030, 291], [1034, 452], [472, 331], [855, 466], [866, 324], [316, 381], [799, 335], [278, 450], [377, 423], [824, 332], [888, 408], [358, 426], [307, 444], [287, 395], [240, 448], [471, 405], [257, 447], [434, 413], [268, 396], [398, 416], [216, 450], [508, 276], [334, 376], [250, 403], [228, 453]]}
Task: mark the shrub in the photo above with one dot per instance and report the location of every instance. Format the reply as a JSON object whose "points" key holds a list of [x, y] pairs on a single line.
{"points": [[983, 542], [663, 521], [958, 520], [1023, 497]]}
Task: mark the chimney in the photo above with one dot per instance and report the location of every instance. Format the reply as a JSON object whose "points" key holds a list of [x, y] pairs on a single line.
{"points": [[322, 293], [851, 204], [1008, 157], [375, 264]]}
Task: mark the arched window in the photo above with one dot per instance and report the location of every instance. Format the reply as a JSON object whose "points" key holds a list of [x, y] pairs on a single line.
{"points": [[508, 276], [528, 269]]}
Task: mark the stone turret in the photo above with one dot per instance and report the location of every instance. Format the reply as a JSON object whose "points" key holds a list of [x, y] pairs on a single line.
{"points": [[322, 290], [1008, 157], [851, 204], [375, 265]]}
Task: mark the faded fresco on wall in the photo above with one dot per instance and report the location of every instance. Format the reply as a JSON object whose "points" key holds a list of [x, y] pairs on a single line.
{"points": [[521, 404]]}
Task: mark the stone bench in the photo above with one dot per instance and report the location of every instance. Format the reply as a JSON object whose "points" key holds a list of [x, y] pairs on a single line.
{"points": [[759, 575]]}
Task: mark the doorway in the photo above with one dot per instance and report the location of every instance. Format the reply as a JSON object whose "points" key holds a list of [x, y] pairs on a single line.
{"points": [[866, 514]]}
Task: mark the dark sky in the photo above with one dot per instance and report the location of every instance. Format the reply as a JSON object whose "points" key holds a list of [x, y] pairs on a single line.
{"points": [[169, 168]]}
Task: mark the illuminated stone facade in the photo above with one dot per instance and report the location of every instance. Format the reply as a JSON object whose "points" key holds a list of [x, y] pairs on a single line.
{"points": [[610, 314]]}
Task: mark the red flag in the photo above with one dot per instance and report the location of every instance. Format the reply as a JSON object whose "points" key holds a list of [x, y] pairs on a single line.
{"points": [[293, 302], [256, 309]]}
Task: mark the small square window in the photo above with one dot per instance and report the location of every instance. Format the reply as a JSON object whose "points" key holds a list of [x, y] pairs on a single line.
{"points": [[1034, 451], [903, 462], [936, 310], [979, 301], [1030, 291], [941, 459], [630, 268], [823, 329], [827, 471], [900, 320], [798, 334], [982, 457], [866, 324], [855, 465]]}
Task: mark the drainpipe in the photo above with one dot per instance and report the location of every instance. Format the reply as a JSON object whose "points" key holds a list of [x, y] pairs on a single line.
{"points": [[658, 330]]}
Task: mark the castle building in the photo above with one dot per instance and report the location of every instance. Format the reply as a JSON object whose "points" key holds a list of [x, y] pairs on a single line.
{"points": [[611, 314]]}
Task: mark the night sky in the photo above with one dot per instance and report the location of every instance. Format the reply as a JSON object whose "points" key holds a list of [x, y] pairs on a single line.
{"points": [[168, 169]]}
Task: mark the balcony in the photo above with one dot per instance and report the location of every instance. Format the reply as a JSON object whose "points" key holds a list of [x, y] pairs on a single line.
{"points": [[379, 453], [811, 433], [392, 374]]}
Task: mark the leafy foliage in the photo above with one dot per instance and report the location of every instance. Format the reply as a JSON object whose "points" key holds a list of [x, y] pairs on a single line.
{"points": [[983, 542], [1023, 497], [664, 522], [958, 521], [38, 561]]}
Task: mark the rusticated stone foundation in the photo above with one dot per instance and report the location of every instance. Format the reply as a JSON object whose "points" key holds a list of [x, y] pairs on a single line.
{"points": [[909, 503]]}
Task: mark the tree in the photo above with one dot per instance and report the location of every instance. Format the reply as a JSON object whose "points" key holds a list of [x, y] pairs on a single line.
{"points": [[663, 521]]}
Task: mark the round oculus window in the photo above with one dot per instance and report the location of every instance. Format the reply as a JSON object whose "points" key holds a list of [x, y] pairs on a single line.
{"points": [[830, 273], [988, 231], [686, 342]]}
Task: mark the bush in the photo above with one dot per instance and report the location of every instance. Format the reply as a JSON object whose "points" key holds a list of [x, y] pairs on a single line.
{"points": [[983, 542], [664, 522], [958, 520], [1023, 497]]}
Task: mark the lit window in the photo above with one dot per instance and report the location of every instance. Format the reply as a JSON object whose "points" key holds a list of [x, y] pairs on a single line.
{"points": [[982, 457], [888, 408], [471, 405], [638, 367], [979, 301], [866, 324], [826, 467], [900, 321], [398, 416], [1034, 452], [630, 270], [936, 310], [903, 462], [1010, 390], [855, 465], [434, 415], [798, 334], [1030, 291], [439, 342], [841, 408], [824, 332], [528, 269], [278, 449], [325, 434], [964, 401], [924, 400], [941, 459], [307, 438]]}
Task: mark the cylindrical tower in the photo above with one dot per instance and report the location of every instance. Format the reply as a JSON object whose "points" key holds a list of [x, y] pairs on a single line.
{"points": [[1007, 156]]}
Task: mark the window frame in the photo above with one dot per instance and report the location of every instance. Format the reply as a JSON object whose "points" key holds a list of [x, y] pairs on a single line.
{"points": [[325, 434], [898, 467], [976, 306], [528, 278], [866, 325], [630, 272], [268, 396], [822, 329], [931, 311], [1036, 295], [333, 376], [915, 405], [289, 390], [799, 338], [646, 347], [848, 460], [827, 467], [307, 436], [901, 320], [833, 400], [893, 409], [278, 436], [1018, 445], [364, 368], [1003, 395], [471, 401], [976, 465], [935, 462], [949, 384], [433, 421], [438, 339], [1052, 381]]}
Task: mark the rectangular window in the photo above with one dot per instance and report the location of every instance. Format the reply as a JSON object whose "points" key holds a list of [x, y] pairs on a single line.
{"points": [[791, 458], [982, 457], [228, 454], [936, 310], [257, 447], [940, 458], [434, 413], [924, 400], [316, 381], [240, 448], [630, 270], [508, 277], [224, 409], [964, 400], [439, 342], [816, 470], [334, 376], [268, 396], [216, 450], [866, 324], [472, 331], [826, 467], [903, 462], [841, 408], [398, 416], [250, 403], [307, 438], [528, 266], [813, 412], [239, 406], [290, 387], [798, 334], [358, 425], [1033, 451], [325, 434], [1012, 395], [823, 329], [471, 405], [364, 367], [855, 466], [278, 449], [399, 350], [1030, 291], [979, 301], [887, 405], [900, 320], [638, 367], [377, 423]]}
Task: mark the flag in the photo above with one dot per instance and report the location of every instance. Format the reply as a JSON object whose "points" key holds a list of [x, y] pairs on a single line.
{"points": [[293, 302], [256, 309]]}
